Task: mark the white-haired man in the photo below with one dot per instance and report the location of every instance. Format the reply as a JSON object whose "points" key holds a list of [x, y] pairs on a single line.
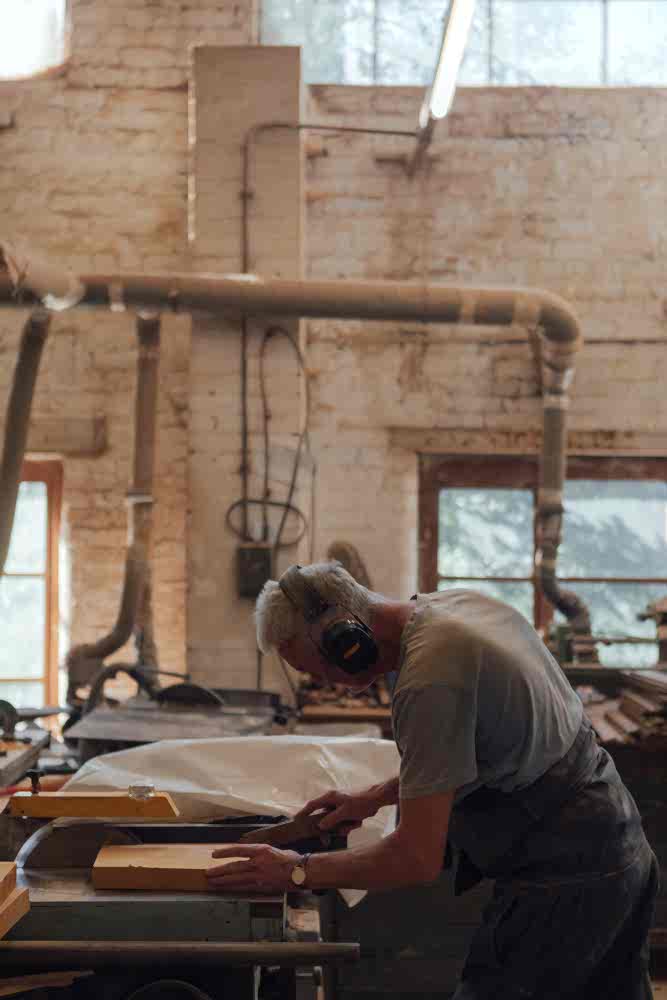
{"points": [[497, 759]]}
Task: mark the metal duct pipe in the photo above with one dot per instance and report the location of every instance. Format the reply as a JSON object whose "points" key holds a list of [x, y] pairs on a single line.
{"points": [[135, 614], [17, 421], [83, 662], [140, 496], [239, 295], [242, 295], [557, 374]]}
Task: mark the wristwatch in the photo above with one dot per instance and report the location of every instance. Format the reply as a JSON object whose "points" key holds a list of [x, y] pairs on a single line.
{"points": [[298, 874]]}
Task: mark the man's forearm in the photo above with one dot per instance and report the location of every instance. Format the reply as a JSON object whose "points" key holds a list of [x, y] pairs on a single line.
{"points": [[385, 865]]}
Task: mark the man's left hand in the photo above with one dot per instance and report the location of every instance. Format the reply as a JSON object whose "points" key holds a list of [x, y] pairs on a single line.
{"points": [[265, 869]]}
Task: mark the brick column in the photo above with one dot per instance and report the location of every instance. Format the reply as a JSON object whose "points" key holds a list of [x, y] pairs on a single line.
{"points": [[233, 90]]}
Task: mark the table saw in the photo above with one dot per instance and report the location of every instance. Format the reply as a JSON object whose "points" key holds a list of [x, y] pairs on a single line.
{"points": [[240, 946]]}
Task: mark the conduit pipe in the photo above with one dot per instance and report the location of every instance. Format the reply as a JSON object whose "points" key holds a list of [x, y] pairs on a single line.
{"points": [[86, 661], [17, 421], [243, 295]]}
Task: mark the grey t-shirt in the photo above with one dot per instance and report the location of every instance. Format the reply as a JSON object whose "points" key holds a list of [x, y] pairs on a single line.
{"points": [[479, 699]]}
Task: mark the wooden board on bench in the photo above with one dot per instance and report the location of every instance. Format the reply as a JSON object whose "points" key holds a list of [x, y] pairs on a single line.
{"points": [[95, 805], [156, 867]]}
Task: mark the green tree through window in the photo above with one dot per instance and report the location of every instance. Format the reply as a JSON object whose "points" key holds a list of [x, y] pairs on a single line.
{"points": [[613, 553], [28, 592]]}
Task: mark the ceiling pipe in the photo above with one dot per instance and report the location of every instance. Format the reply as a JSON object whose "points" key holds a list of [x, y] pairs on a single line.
{"points": [[242, 295]]}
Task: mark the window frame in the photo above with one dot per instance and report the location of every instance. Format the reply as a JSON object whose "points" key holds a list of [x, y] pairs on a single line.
{"points": [[49, 472], [440, 471]]}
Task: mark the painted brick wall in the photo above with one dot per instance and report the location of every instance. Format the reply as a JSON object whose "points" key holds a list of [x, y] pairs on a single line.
{"points": [[549, 188], [94, 173], [234, 89], [560, 189]]}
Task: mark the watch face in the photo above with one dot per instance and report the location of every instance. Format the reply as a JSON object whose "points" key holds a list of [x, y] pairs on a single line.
{"points": [[298, 875]]}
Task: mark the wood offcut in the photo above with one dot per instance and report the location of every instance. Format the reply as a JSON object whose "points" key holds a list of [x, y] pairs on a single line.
{"points": [[14, 903], [156, 867], [93, 805]]}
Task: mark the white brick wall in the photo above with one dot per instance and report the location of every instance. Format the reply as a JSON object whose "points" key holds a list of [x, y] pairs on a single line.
{"points": [[556, 189], [235, 88], [560, 189]]}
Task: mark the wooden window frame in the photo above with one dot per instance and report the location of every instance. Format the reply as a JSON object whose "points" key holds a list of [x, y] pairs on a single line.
{"points": [[49, 472], [438, 472]]}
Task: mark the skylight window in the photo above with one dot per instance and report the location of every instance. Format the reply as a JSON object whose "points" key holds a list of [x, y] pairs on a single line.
{"points": [[33, 38], [562, 43]]}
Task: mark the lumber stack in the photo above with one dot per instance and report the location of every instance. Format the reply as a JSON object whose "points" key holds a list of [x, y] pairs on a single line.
{"points": [[14, 902], [637, 713]]}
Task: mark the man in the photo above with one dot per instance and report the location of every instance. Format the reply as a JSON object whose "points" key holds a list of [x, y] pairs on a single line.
{"points": [[498, 760]]}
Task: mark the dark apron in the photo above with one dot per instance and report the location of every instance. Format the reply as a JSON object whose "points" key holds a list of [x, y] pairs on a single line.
{"points": [[575, 883], [491, 849]]}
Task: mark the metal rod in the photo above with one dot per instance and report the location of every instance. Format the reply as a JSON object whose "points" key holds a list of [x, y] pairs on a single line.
{"points": [[562, 579], [251, 137], [25, 576], [52, 955], [21, 680]]}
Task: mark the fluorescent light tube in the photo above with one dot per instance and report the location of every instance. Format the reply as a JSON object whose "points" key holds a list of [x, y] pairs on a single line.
{"points": [[454, 41]]}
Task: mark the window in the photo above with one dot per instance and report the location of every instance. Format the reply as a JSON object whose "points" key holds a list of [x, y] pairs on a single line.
{"points": [[33, 37], [476, 530], [29, 591], [513, 42]]}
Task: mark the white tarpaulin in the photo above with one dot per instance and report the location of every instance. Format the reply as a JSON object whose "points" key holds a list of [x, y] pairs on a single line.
{"points": [[250, 775]]}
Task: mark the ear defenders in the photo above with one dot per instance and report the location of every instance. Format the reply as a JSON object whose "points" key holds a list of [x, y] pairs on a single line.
{"points": [[346, 642]]}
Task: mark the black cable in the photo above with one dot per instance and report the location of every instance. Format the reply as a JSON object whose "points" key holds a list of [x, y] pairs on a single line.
{"points": [[286, 505], [255, 501], [304, 437], [265, 423], [244, 426]]}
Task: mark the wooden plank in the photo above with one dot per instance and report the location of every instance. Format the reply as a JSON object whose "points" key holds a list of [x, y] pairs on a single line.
{"points": [[638, 706], [12, 985], [96, 805], [623, 722], [15, 906], [7, 879], [597, 714], [156, 867]]}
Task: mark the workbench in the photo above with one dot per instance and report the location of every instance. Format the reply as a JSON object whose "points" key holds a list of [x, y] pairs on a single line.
{"points": [[243, 946]]}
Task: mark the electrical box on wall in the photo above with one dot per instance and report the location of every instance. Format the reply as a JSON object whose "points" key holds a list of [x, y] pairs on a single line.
{"points": [[253, 567]]}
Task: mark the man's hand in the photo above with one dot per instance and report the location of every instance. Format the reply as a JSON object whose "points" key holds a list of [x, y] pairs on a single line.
{"points": [[341, 811], [266, 869]]}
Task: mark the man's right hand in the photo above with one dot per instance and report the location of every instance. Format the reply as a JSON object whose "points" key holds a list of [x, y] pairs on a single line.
{"points": [[341, 811]]}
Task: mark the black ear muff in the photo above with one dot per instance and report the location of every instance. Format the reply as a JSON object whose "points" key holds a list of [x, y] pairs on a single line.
{"points": [[348, 642], [349, 645]]}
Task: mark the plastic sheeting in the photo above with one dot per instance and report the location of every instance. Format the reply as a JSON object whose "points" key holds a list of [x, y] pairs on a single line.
{"points": [[251, 775]]}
